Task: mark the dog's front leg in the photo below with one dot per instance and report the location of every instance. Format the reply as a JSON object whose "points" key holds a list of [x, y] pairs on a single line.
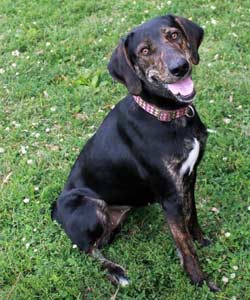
{"points": [[176, 221], [190, 210]]}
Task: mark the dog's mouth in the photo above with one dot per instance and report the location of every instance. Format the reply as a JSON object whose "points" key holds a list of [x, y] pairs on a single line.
{"points": [[183, 90]]}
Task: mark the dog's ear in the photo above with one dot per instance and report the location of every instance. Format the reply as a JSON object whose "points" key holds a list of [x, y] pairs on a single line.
{"points": [[194, 35], [121, 69]]}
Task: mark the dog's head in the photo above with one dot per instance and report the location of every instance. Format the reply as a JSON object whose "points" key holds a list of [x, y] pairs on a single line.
{"points": [[158, 56]]}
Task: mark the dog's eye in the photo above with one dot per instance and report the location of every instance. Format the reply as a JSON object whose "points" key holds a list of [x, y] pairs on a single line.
{"points": [[174, 35], [145, 51]]}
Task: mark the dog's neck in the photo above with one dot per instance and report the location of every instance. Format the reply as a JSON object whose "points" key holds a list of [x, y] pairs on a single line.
{"points": [[163, 114], [162, 101]]}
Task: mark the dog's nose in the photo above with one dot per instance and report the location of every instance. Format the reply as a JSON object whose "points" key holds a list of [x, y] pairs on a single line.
{"points": [[179, 67]]}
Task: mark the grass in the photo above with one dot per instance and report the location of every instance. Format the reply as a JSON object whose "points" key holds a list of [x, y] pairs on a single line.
{"points": [[54, 93]]}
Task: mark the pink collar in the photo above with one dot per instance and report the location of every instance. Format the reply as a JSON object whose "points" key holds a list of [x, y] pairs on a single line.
{"points": [[165, 115]]}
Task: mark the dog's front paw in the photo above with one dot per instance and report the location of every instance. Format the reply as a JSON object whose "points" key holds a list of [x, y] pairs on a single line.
{"points": [[198, 236], [205, 242], [213, 287]]}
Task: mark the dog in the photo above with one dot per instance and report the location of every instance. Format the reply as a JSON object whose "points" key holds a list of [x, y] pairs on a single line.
{"points": [[147, 149]]}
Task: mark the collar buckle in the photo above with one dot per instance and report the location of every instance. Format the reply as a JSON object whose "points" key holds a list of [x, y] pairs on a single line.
{"points": [[190, 112]]}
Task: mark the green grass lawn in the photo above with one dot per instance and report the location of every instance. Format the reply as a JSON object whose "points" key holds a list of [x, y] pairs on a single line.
{"points": [[54, 92]]}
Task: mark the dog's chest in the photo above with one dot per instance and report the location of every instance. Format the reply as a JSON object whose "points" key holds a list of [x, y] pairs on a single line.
{"points": [[181, 162], [187, 165]]}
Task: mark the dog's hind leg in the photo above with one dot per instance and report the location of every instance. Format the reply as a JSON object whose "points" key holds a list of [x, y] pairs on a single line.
{"points": [[82, 216], [115, 273], [116, 217], [90, 223]]}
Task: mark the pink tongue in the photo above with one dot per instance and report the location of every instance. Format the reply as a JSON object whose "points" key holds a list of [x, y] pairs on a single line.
{"points": [[183, 87]]}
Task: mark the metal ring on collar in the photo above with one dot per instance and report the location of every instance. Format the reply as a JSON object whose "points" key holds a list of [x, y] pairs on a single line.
{"points": [[190, 112]]}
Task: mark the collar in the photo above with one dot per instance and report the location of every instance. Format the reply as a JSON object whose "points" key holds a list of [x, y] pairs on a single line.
{"points": [[165, 115]]}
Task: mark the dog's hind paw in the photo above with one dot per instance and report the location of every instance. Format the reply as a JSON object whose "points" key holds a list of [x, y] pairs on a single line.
{"points": [[116, 274], [123, 281]]}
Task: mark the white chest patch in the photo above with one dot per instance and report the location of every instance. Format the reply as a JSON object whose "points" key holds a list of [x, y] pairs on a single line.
{"points": [[189, 163]]}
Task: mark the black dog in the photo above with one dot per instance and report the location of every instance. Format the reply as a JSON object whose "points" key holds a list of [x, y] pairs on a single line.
{"points": [[147, 149]]}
